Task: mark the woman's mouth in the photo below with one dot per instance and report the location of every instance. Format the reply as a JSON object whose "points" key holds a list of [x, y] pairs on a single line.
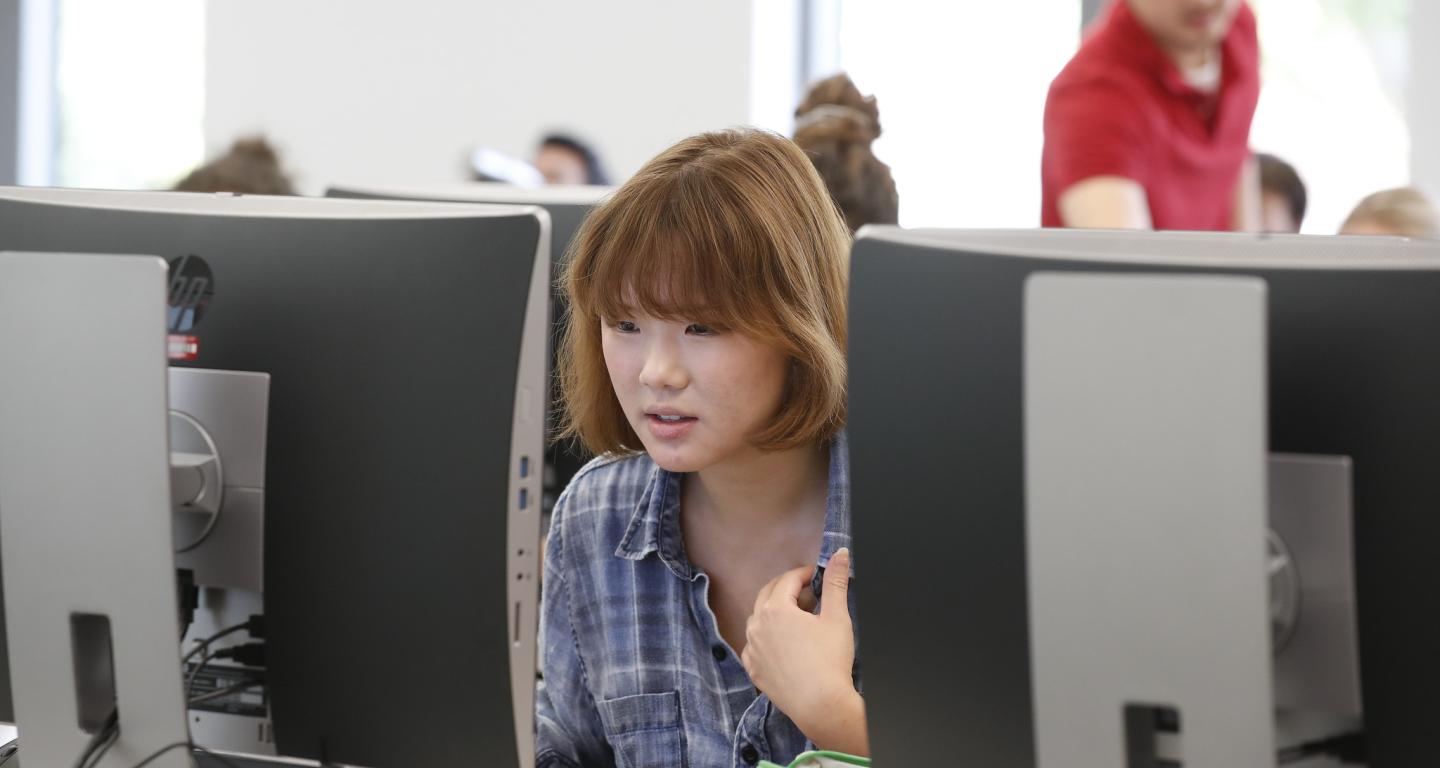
{"points": [[669, 426]]}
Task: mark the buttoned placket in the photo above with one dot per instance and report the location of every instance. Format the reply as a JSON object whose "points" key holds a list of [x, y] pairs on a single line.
{"points": [[749, 743]]}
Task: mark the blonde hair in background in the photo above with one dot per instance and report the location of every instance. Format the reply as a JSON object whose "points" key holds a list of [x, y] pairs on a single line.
{"points": [[732, 229], [1402, 211]]}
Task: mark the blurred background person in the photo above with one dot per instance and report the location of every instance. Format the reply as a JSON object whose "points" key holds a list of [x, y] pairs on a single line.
{"points": [[1282, 195], [492, 165], [1149, 123], [1404, 211], [836, 125], [564, 159], [250, 167]]}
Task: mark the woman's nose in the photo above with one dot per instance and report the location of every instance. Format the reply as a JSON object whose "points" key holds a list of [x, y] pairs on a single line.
{"points": [[663, 368]]}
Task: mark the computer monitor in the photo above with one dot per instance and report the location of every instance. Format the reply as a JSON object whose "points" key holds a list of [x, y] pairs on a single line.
{"points": [[568, 206], [937, 428], [405, 348]]}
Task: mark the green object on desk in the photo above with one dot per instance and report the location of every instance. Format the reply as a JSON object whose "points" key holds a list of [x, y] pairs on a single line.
{"points": [[820, 759]]}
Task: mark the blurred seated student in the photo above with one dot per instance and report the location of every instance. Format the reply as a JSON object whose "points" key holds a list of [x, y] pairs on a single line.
{"points": [[492, 165], [836, 126], [703, 362], [250, 167], [1404, 211], [1148, 125], [1282, 195], [564, 159]]}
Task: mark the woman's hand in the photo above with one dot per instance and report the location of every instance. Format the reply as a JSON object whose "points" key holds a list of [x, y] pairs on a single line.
{"points": [[802, 660]]}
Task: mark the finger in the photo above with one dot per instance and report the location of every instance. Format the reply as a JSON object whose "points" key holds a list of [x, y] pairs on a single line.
{"points": [[788, 585], [836, 587], [808, 600]]}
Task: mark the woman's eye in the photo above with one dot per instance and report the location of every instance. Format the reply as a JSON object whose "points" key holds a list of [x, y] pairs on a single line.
{"points": [[625, 326], [697, 329]]}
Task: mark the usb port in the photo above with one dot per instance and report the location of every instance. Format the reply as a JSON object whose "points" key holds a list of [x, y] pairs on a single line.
{"points": [[524, 497], [524, 466]]}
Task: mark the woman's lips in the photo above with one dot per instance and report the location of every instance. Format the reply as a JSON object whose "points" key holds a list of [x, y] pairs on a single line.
{"points": [[670, 427]]}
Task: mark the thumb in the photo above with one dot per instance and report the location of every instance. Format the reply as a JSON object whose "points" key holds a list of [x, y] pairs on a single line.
{"points": [[834, 598]]}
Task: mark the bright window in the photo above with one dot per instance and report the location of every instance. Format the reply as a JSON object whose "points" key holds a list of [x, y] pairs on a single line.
{"points": [[1332, 101], [129, 84], [961, 88]]}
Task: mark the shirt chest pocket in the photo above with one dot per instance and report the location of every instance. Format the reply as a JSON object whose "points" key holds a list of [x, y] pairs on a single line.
{"points": [[645, 730]]}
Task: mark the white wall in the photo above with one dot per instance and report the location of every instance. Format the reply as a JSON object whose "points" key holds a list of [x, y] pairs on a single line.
{"points": [[399, 92], [1424, 106]]}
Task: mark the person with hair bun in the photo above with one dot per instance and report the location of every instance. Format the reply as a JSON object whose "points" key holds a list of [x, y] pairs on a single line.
{"points": [[251, 167], [696, 594], [836, 126]]}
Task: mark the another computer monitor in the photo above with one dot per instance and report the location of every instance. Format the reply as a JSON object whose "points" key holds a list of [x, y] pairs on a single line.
{"points": [[937, 437], [568, 206], [405, 343]]}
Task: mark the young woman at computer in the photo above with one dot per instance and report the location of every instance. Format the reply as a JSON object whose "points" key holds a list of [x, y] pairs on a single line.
{"points": [[703, 361]]}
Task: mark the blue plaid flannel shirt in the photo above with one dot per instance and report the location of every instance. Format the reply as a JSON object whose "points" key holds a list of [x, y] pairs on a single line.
{"points": [[636, 674]]}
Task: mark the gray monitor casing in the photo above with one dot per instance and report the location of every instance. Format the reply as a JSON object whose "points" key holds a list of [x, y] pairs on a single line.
{"points": [[568, 205], [936, 425], [406, 348]]}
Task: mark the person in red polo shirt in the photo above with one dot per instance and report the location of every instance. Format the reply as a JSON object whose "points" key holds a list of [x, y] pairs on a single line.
{"points": [[1149, 123]]}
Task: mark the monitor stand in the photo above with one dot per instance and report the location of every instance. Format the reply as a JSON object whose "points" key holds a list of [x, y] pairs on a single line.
{"points": [[1145, 412], [85, 534]]}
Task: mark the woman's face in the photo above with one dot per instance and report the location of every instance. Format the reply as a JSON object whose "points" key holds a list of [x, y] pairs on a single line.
{"points": [[694, 394]]}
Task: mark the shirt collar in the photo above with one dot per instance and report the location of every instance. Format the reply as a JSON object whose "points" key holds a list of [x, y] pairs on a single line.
{"points": [[655, 523], [1145, 51]]}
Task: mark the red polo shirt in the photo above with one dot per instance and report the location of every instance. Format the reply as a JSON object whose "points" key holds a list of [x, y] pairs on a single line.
{"points": [[1122, 108]]}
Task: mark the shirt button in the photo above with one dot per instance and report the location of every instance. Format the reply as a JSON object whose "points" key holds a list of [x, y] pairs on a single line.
{"points": [[718, 651], [749, 755]]}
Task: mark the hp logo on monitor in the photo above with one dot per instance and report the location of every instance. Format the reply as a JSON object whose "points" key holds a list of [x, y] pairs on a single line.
{"points": [[191, 286]]}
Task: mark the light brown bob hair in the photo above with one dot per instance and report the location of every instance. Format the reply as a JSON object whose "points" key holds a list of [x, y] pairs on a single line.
{"points": [[733, 229]]}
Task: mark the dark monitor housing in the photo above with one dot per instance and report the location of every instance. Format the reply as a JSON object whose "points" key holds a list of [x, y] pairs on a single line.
{"points": [[405, 344], [937, 435], [568, 206]]}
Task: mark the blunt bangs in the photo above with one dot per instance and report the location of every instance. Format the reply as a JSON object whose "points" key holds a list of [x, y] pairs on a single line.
{"points": [[733, 229], [696, 260]]}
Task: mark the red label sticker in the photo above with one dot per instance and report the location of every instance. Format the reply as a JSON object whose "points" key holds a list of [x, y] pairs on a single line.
{"points": [[183, 347]]}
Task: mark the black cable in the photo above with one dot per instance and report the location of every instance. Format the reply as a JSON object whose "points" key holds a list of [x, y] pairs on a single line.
{"points": [[1348, 748], [204, 645], [212, 755], [157, 753], [188, 595], [105, 747], [112, 722], [249, 654], [219, 693], [190, 679], [176, 744], [189, 690], [109, 731]]}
